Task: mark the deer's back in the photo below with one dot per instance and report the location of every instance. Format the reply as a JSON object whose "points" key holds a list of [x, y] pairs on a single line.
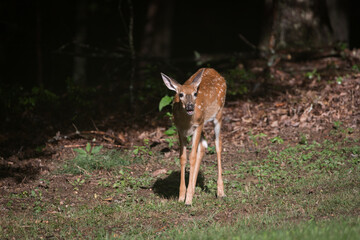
{"points": [[211, 95]]}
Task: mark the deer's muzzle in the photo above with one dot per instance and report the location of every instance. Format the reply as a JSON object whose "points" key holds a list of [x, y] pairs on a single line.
{"points": [[190, 109]]}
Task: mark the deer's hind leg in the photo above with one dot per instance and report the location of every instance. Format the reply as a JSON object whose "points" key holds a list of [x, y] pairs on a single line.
{"points": [[199, 156], [218, 145]]}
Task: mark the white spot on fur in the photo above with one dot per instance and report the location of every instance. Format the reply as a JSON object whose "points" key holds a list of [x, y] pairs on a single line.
{"points": [[204, 143]]}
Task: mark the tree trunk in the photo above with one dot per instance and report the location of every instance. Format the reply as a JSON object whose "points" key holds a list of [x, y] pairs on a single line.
{"points": [[39, 53], [338, 14], [79, 71], [157, 34], [300, 24]]}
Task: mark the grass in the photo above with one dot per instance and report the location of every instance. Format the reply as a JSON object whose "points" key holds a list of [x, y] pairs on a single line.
{"points": [[86, 162], [299, 191], [331, 229]]}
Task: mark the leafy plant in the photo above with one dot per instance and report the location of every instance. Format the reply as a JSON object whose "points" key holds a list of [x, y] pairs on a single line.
{"points": [[303, 139], [30, 100], [143, 150], [356, 68], [77, 183], [337, 124], [313, 74], [211, 150], [88, 151], [339, 80], [171, 131], [277, 139], [255, 138], [171, 141]]}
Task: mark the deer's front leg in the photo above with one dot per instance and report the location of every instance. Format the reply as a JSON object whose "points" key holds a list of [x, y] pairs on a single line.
{"points": [[192, 178], [182, 189]]}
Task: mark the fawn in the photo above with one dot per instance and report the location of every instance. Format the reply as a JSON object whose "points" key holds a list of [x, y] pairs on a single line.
{"points": [[200, 100]]}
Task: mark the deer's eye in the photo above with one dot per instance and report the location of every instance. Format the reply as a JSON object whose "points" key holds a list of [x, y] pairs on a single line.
{"points": [[181, 95], [195, 94]]}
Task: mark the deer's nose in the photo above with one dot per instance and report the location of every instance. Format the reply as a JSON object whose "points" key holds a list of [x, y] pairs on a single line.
{"points": [[190, 107]]}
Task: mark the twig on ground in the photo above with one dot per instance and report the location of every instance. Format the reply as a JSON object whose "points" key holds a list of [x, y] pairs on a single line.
{"points": [[76, 130], [105, 135], [94, 125], [93, 144]]}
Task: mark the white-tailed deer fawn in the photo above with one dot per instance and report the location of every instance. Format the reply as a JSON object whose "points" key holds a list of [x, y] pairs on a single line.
{"points": [[201, 99]]}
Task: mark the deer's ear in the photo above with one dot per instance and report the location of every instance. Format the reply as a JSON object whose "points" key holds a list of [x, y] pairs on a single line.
{"points": [[170, 83], [198, 78]]}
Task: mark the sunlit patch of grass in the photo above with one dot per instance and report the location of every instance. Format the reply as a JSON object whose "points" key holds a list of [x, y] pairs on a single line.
{"points": [[334, 229], [88, 162]]}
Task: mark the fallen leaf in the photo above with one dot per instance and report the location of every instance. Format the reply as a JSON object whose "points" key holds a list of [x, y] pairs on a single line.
{"points": [[303, 117], [280, 104], [144, 135], [159, 172], [274, 124]]}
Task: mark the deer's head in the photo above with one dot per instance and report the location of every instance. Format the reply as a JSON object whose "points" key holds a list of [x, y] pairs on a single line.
{"points": [[187, 93]]}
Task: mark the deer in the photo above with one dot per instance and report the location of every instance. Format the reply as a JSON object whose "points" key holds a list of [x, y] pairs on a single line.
{"points": [[199, 100]]}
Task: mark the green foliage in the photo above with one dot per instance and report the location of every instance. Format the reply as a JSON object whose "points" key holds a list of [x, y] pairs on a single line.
{"points": [[277, 139], [171, 141], [356, 68], [312, 75], [337, 124], [211, 150], [342, 46], [88, 151], [171, 131], [255, 138], [303, 139], [165, 101], [77, 183], [37, 95], [17, 99], [339, 80], [143, 150]]}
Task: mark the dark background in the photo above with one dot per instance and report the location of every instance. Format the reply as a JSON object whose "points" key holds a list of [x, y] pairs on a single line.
{"points": [[50, 26]]}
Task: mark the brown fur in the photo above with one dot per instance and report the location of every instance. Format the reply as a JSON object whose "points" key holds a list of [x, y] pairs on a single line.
{"points": [[210, 87]]}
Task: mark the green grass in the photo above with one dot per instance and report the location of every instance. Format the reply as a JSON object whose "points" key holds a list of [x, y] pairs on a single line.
{"points": [[327, 229], [301, 191], [88, 162]]}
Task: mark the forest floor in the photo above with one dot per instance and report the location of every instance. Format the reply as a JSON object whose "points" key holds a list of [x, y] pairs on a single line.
{"points": [[291, 166]]}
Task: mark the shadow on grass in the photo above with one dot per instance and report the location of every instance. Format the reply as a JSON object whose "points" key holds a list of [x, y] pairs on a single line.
{"points": [[168, 187]]}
